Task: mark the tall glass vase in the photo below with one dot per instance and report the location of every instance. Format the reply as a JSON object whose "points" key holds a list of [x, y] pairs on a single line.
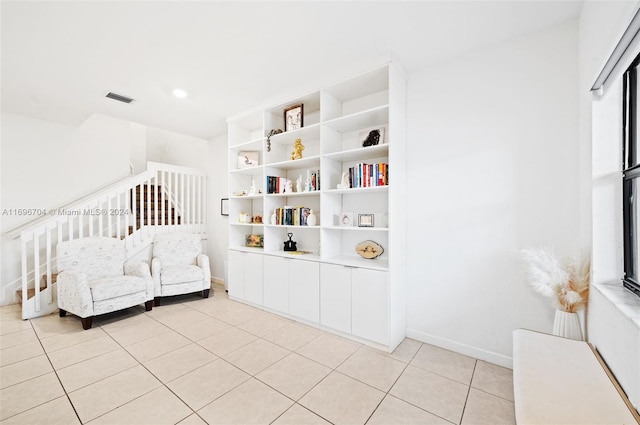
{"points": [[567, 325]]}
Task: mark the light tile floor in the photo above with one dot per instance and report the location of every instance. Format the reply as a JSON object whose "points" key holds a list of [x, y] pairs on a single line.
{"points": [[216, 361]]}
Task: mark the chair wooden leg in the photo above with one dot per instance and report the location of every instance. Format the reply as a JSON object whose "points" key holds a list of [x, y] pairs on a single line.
{"points": [[62, 312], [156, 301], [205, 293], [87, 322], [148, 305]]}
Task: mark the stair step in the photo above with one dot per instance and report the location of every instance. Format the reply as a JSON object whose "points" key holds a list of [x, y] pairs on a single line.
{"points": [[54, 277], [166, 210], [175, 220], [147, 193], [151, 186], [150, 196], [31, 292], [149, 190], [166, 214], [153, 204], [145, 222]]}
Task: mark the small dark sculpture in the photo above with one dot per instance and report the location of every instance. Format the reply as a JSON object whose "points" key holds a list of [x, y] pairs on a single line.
{"points": [[290, 245], [372, 139]]}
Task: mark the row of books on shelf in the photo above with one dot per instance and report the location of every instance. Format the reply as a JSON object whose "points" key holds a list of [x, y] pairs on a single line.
{"points": [[369, 175], [276, 184], [291, 216]]}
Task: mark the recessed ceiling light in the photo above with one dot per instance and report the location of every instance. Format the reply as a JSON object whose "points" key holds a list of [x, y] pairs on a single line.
{"points": [[179, 93]]}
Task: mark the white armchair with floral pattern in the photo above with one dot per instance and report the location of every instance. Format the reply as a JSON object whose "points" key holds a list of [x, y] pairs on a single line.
{"points": [[94, 278], [178, 265]]}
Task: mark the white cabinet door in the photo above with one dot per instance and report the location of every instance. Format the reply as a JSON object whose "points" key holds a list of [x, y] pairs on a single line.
{"points": [[335, 297], [370, 305], [253, 278], [276, 283], [236, 274], [304, 290]]}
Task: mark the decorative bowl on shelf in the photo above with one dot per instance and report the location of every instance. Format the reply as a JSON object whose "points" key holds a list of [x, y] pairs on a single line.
{"points": [[369, 250]]}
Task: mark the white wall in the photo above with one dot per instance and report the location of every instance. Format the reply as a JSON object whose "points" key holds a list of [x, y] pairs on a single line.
{"points": [[138, 149], [613, 333], [493, 169], [177, 149], [45, 164], [217, 188]]}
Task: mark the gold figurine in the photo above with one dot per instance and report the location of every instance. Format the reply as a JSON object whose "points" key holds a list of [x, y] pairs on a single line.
{"points": [[298, 147]]}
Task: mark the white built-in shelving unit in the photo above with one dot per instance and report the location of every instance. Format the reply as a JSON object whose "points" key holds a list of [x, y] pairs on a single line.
{"points": [[330, 286]]}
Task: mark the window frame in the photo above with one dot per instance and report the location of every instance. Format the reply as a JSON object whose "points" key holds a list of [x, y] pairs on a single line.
{"points": [[630, 175]]}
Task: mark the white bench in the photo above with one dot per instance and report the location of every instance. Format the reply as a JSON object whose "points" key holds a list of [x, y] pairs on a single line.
{"points": [[562, 381]]}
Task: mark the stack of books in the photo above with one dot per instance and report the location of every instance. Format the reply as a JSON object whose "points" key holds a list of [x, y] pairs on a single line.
{"points": [[369, 175], [292, 216]]}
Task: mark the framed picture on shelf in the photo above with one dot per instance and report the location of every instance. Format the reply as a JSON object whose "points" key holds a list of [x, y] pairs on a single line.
{"points": [[224, 206], [248, 159], [371, 136], [294, 117], [345, 219], [254, 241], [365, 220], [304, 215]]}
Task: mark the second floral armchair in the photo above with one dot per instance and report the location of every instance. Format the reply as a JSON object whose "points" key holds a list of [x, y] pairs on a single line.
{"points": [[178, 266]]}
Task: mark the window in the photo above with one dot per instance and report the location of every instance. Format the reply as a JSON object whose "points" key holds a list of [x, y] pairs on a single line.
{"points": [[631, 178]]}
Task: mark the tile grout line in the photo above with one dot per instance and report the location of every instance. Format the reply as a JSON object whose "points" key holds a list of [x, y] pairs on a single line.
{"points": [[166, 384], [217, 358], [464, 408], [254, 376], [21, 360], [392, 385], [335, 369], [388, 393], [55, 371], [160, 380], [295, 403], [106, 332], [487, 392], [139, 363], [491, 394]]}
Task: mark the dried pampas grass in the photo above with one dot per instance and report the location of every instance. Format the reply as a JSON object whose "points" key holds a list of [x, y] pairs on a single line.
{"points": [[567, 285]]}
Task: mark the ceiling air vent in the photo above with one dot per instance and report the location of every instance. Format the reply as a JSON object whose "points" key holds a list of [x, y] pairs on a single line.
{"points": [[119, 97]]}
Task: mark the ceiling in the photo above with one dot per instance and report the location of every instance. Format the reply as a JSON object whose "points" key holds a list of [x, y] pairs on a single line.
{"points": [[59, 59]]}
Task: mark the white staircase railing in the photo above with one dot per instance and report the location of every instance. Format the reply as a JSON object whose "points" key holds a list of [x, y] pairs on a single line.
{"points": [[165, 198]]}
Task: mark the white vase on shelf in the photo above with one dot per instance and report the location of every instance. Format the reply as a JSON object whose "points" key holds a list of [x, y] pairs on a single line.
{"points": [[567, 325], [274, 219], [311, 219]]}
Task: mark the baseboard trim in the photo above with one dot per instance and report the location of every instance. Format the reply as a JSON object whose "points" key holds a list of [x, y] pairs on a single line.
{"points": [[217, 280], [478, 353]]}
